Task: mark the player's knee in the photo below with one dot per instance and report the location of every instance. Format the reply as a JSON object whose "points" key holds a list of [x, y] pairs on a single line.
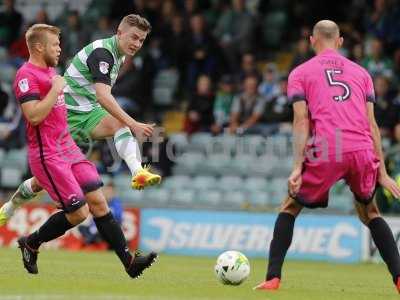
{"points": [[366, 213], [35, 186], [79, 215], [291, 207], [363, 219], [97, 204], [115, 125]]}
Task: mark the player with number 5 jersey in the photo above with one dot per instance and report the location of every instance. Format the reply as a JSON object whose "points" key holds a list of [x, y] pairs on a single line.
{"points": [[335, 137], [336, 90]]}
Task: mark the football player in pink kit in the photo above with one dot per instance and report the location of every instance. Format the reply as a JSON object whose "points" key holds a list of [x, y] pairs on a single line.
{"points": [[54, 158], [335, 137]]}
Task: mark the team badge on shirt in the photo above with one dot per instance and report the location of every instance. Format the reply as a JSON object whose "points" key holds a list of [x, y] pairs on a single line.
{"points": [[103, 67], [23, 85]]}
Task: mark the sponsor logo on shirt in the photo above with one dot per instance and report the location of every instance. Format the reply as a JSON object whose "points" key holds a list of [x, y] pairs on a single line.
{"points": [[103, 67], [23, 85], [60, 100]]}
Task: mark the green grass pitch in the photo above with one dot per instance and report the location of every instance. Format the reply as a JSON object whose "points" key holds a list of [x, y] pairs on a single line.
{"points": [[79, 275]]}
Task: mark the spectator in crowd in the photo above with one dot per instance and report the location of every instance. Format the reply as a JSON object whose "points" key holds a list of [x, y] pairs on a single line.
{"points": [[357, 53], [190, 8], [376, 62], [396, 66], [168, 11], [103, 29], [377, 19], [222, 104], [234, 32], [41, 17], [201, 49], [248, 66], [10, 23], [175, 47], [213, 13], [199, 115], [278, 112], [269, 87], [73, 35], [18, 51], [302, 53], [12, 133], [247, 109], [386, 111]]}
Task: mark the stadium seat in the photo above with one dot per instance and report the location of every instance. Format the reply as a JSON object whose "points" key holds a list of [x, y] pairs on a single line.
{"points": [[203, 183], [188, 162], [165, 84], [122, 181], [342, 203], [201, 141], [252, 144], [16, 158], [156, 197], [255, 184], [234, 200], [215, 164], [7, 73], [2, 156], [105, 178], [179, 141], [176, 182], [241, 163], [259, 199], [10, 177], [263, 166], [132, 197], [230, 183], [225, 144], [208, 199], [3, 55], [278, 190], [182, 198]]}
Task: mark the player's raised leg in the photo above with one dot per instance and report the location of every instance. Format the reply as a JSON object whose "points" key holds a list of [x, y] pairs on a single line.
{"points": [[27, 191], [128, 149]]}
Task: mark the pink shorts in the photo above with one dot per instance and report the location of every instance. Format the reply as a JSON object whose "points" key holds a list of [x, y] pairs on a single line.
{"points": [[359, 169], [66, 181]]}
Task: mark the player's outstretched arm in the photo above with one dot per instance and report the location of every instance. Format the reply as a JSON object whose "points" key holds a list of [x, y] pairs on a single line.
{"points": [[384, 179], [301, 132], [108, 102], [36, 111]]}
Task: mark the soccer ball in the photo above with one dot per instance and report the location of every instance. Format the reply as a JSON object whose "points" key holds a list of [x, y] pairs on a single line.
{"points": [[232, 268]]}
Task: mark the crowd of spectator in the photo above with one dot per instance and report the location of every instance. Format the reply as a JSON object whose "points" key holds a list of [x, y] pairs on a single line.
{"points": [[232, 57]]}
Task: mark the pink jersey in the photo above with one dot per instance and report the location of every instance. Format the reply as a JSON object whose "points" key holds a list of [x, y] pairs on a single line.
{"points": [[51, 137], [336, 90]]}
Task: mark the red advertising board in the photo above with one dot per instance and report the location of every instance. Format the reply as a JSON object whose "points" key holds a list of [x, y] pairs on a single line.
{"points": [[30, 217]]}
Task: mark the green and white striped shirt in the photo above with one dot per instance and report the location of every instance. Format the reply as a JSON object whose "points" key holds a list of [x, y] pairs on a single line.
{"points": [[80, 95]]}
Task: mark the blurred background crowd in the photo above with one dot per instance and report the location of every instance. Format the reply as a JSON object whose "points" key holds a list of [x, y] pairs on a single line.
{"points": [[213, 74]]}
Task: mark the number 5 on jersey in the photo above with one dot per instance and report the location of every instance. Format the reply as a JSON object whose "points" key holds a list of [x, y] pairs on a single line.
{"points": [[332, 82]]}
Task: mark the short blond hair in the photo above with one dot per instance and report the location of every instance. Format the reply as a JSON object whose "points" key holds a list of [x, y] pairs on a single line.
{"points": [[35, 34], [133, 20]]}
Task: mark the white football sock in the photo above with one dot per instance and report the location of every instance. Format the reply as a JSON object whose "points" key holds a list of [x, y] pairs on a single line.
{"points": [[23, 194], [128, 149]]}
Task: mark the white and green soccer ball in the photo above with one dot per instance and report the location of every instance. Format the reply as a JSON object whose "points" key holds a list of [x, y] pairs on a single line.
{"points": [[232, 268]]}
